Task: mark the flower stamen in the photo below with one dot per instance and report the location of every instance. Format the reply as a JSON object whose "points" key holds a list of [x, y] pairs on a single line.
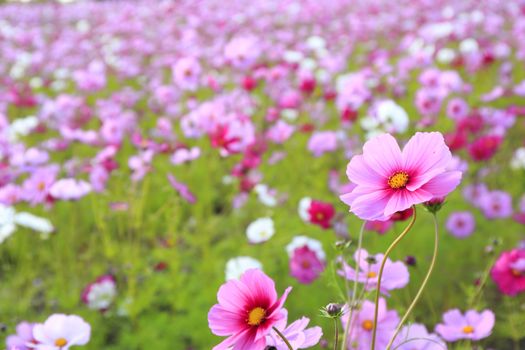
{"points": [[398, 180], [256, 316]]}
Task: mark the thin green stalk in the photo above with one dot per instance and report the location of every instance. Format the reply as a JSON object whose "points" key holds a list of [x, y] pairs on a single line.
{"points": [[423, 284], [283, 338], [380, 276], [354, 292], [336, 335]]}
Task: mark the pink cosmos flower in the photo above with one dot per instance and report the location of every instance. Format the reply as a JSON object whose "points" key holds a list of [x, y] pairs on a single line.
{"points": [[472, 325], [416, 337], [247, 310], [362, 324], [305, 265], [23, 337], [395, 274], [461, 224], [509, 272], [186, 73], [390, 180], [60, 332], [322, 142], [296, 333], [496, 205], [378, 226]]}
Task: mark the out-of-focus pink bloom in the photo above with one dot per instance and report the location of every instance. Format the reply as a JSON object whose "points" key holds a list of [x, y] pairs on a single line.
{"points": [[484, 147], [474, 192], [509, 272], [69, 189], [322, 142], [496, 205], [305, 265], [380, 227], [296, 333], [247, 310], [23, 339], [36, 187], [280, 132], [242, 52], [416, 337], [184, 155], [472, 325], [320, 213], [395, 274], [362, 324], [389, 180], [182, 189], [186, 73], [100, 294], [457, 109], [140, 164], [10, 194], [461, 224], [60, 332]]}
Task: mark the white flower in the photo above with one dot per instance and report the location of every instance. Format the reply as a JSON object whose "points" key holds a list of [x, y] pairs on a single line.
{"points": [[312, 244], [518, 160], [235, 267], [21, 127], [60, 332], [260, 230], [304, 205], [9, 219], [101, 294], [393, 117], [265, 195], [70, 189]]}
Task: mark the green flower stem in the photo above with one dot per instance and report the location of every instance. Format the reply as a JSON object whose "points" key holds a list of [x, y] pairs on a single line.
{"points": [[283, 338], [354, 293], [422, 287], [380, 276]]}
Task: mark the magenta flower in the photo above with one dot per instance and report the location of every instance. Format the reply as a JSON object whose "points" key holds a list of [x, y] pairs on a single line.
{"points": [[362, 324], [305, 265], [390, 180], [247, 310], [23, 337], [60, 332], [461, 224], [473, 325], [509, 272], [296, 333], [395, 274]]}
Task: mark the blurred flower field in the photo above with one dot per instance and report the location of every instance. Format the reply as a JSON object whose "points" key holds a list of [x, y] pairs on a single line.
{"points": [[262, 175]]}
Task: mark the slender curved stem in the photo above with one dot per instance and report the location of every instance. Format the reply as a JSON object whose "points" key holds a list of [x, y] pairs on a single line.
{"points": [[380, 275], [422, 287], [336, 335], [283, 338], [354, 292]]}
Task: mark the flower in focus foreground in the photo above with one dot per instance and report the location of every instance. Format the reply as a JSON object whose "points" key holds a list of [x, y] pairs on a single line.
{"points": [[247, 310], [390, 180], [60, 332], [473, 325]]}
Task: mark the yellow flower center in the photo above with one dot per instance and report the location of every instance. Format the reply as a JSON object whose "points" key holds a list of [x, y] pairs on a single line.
{"points": [[41, 186], [372, 274], [60, 342], [468, 329], [367, 325], [516, 273], [398, 180], [256, 316]]}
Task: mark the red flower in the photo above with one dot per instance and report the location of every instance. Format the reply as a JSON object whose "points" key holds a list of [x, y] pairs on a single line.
{"points": [[321, 213]]}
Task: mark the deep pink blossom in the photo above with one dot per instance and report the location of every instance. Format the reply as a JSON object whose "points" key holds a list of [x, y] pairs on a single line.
{"points": [[247, 310]]}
